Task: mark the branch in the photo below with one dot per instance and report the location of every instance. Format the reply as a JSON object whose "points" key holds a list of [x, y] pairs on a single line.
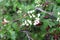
{"points": [[27, 34], [50, 13]]}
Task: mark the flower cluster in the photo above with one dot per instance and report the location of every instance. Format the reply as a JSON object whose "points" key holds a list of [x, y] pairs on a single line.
{"points": [[31, 15]]}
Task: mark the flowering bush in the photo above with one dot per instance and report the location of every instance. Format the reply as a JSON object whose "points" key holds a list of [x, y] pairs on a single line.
{"points": [[29, 20]]}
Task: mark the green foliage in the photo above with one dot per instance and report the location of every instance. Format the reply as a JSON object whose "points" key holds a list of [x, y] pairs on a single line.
{"points": [[58, 1], [29, 19]]}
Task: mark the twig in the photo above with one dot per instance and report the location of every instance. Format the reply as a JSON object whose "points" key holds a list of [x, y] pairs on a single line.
{"points": [[27, 34], [50, 13]]}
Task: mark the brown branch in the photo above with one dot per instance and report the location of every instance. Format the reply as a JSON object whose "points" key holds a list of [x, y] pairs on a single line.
{"points": [[27, 34], [50, 13], [40, 9]]}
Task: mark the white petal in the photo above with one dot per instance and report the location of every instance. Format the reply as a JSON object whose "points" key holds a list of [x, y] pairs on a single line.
{"points": [[36, 22], [19, 11], [33, 15], [58, 13], [30, 16], [37, 18], [5, 20], [25, 22], [38, 15], [29, 22], [57, 19], [31, 11]]}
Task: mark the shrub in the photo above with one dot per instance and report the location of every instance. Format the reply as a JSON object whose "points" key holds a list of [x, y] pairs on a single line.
{"points": [[29, 20]]}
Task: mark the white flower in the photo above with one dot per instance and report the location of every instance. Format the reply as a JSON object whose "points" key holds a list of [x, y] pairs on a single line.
{"points": [[30, 16], [36, 22], [38, 15], [29, 22], [31, 11], [58, 13], [37, 18], [23, 24], [26, 23], [37, 5], [19, 11], [57, 19], [33, 15], [5, 20]]}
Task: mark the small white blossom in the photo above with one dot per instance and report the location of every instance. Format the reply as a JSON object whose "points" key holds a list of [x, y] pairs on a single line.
{"points": [[37, 18], [37, 5], [26, 23], [5, 20], [30, 16], [19, 11], [23, 24], [57, 19], [38, 14], [33, 15], [29, 22], [36, 22], [58, 13], [31, 11]]}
